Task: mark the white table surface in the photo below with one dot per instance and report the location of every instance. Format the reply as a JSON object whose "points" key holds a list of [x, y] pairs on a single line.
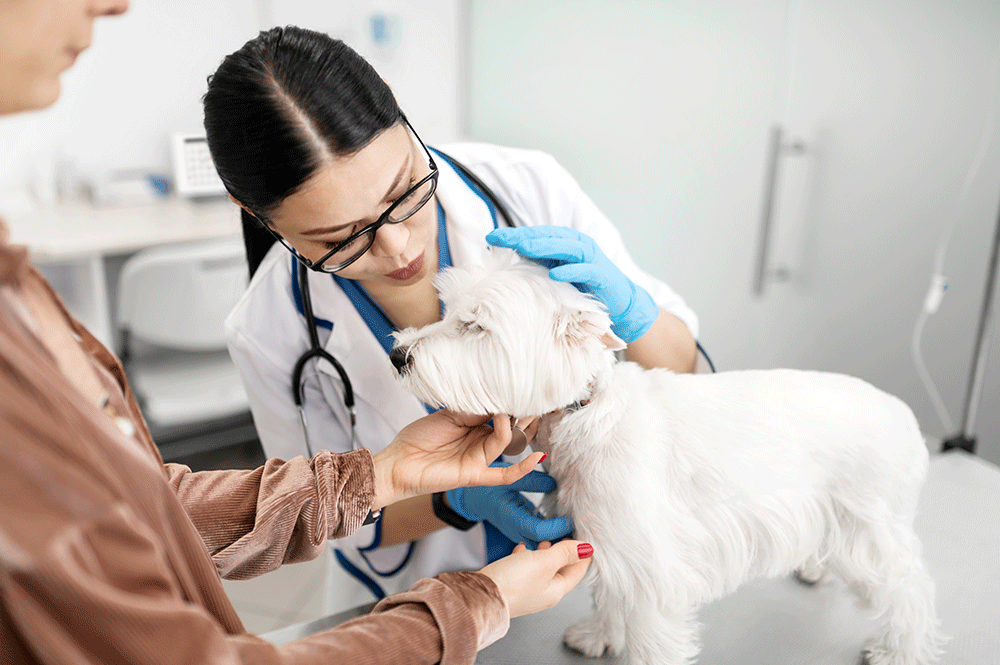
{"points": [[780, 621], [80, 231], [70, 244]]}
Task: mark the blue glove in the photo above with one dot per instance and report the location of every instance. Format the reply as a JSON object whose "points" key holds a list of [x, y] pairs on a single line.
{"points": [[574, 257], [509, 511]]}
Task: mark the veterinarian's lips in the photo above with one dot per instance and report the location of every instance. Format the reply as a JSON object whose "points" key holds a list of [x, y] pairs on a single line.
{"points": [[410, 270]]}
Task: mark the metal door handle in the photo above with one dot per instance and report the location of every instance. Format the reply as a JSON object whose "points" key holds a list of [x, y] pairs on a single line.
{"points": [[767, 209]]}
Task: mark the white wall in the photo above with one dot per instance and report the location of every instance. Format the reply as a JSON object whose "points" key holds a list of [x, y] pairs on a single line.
{"points": [[142, 79], [662, 111], [145, 73], [420, 60]]}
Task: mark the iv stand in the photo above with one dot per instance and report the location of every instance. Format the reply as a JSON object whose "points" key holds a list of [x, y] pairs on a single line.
{"points": [[965, 439]]}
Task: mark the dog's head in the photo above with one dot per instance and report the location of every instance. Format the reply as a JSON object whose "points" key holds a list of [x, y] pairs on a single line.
{"points": [[511, 340]]}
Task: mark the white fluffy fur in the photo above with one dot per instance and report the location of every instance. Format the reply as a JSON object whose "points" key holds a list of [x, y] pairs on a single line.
{"points": [[688, 485]]}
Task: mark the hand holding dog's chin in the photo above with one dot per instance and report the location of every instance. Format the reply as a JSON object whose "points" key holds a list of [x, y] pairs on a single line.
{"points": [[443, 451], [532, 581]]}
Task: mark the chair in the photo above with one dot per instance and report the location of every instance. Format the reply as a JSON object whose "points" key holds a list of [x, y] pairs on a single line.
{"points": [[172, 302]]}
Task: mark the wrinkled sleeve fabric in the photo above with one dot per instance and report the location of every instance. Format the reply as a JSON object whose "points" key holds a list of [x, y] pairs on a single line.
{"points": [[85, 579], [63, 609], [424, 624], [105, 553], [254, 521]]}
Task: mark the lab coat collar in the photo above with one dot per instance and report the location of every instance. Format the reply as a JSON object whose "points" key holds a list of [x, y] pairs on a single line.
{"points": [[467, 217]]}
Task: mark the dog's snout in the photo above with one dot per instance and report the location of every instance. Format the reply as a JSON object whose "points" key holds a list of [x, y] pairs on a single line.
{"points": [[400, 358]]}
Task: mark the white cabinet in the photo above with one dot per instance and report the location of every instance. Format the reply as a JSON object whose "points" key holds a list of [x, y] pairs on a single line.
{"points": [[664, 112]]}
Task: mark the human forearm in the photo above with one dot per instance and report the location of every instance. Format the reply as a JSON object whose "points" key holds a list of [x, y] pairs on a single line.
{"points": [[409, 520], [669, 343]]}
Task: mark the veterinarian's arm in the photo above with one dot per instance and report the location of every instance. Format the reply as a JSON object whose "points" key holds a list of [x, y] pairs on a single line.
{"points": [[409, 520], [669, 343]]}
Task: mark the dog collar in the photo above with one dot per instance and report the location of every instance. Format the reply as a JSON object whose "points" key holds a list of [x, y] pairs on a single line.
{"points": [[580, 403]]}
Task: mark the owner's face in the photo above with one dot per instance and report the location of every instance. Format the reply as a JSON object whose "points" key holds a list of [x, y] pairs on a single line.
{"points": [[40, 39], [352, 192]]}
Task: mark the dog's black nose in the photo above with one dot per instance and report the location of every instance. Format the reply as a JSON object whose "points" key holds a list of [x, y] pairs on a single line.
{"points": [[400, 359]]}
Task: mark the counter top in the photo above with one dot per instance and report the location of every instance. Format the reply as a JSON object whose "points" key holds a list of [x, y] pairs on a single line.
{"points": [[79, 230]]}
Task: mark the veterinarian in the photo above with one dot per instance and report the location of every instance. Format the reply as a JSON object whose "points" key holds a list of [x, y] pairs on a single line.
{"points": [[311, 143], [108, 555]]}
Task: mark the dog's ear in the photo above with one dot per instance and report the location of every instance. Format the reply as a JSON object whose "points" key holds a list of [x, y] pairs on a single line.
{"points": [[577, 326], [613, 341]]}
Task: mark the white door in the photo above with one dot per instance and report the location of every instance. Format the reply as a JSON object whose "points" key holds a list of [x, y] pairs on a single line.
{"points": [[891, 100], [664, 112]]}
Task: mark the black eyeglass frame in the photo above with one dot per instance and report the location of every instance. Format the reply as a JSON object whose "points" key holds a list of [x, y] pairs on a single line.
{"points": [[372, 229]]}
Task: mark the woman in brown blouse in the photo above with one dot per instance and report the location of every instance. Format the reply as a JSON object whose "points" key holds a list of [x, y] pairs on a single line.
{"points": [[109, 555]]}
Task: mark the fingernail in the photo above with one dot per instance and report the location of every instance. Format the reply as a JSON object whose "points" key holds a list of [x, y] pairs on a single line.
{"points": [[584, 550], [542, 458]]}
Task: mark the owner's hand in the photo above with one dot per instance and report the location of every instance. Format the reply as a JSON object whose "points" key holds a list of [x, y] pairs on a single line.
{"points": [[443, 451], [574, 257], [531, 581]]}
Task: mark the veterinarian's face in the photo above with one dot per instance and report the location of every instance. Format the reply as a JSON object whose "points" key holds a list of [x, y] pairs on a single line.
{"points": [[39, 40], [352, 192]]}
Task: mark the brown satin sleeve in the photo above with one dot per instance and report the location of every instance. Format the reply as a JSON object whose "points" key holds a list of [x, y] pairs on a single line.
{"points": [[284, 511]]}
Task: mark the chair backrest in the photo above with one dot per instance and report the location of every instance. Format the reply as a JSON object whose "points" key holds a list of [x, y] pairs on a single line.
{"points": [[178, 296]]}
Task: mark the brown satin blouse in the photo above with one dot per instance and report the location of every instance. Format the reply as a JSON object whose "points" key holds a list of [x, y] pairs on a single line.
{"points": [[108, 555]]}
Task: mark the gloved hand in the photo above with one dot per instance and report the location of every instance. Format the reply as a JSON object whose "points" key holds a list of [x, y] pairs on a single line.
{"points": [[574, 257], [508, 510]]}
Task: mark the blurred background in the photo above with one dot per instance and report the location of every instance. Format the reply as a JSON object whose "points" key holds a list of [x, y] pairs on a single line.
{"points": [[799, 171], [819, 179]]}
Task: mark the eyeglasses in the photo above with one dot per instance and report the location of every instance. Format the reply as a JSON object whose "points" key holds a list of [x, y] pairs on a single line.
{"points": [[353, 248]]}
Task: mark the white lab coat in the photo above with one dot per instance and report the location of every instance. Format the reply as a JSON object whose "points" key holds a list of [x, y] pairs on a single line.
{"points": [[267, 335]]}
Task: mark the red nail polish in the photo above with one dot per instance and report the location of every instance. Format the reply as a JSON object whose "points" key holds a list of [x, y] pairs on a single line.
{"points": [[542, 458], [584, 550]]}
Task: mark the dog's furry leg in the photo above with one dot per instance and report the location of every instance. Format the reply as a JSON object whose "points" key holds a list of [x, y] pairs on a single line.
{"points": [[658, 636], [883, 567], [605, 628], [637, 624], [588, 636]]}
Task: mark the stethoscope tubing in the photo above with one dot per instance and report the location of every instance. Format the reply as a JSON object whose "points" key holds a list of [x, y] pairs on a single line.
{"points": [[317, 351]]}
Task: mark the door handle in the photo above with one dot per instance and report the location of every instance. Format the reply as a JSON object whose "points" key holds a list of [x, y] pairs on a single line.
{"points": [[776, 147]]}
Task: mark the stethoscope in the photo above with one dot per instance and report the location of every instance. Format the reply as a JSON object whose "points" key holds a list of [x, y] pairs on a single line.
{"points": [[317, 352]]}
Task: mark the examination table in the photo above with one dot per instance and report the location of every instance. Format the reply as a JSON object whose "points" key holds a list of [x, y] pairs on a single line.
{"points": [[776, 622]]}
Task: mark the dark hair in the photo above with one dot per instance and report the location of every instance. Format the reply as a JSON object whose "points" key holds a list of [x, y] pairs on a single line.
{"points": [[280, 107]]}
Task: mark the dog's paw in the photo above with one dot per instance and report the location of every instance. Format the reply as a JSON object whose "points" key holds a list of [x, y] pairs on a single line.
{"points": [[875, 654], [812, 573], [587, 637]]}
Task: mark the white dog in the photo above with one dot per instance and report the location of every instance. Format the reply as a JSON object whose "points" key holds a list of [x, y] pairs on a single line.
{"points": [[687, 485]]}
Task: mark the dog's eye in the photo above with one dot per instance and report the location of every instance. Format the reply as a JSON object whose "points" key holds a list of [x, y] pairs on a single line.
{"points": [[471, 327]]}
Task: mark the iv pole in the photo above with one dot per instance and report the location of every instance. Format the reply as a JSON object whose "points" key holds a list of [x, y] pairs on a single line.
{"points": [[966, 439]]}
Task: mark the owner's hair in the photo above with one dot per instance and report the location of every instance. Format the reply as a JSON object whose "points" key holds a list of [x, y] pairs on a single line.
{"points": [[286, 103]]}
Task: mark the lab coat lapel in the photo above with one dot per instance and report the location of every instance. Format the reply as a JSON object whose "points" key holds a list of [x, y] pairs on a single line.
{"points": [[366, 362], [467, 217]]}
